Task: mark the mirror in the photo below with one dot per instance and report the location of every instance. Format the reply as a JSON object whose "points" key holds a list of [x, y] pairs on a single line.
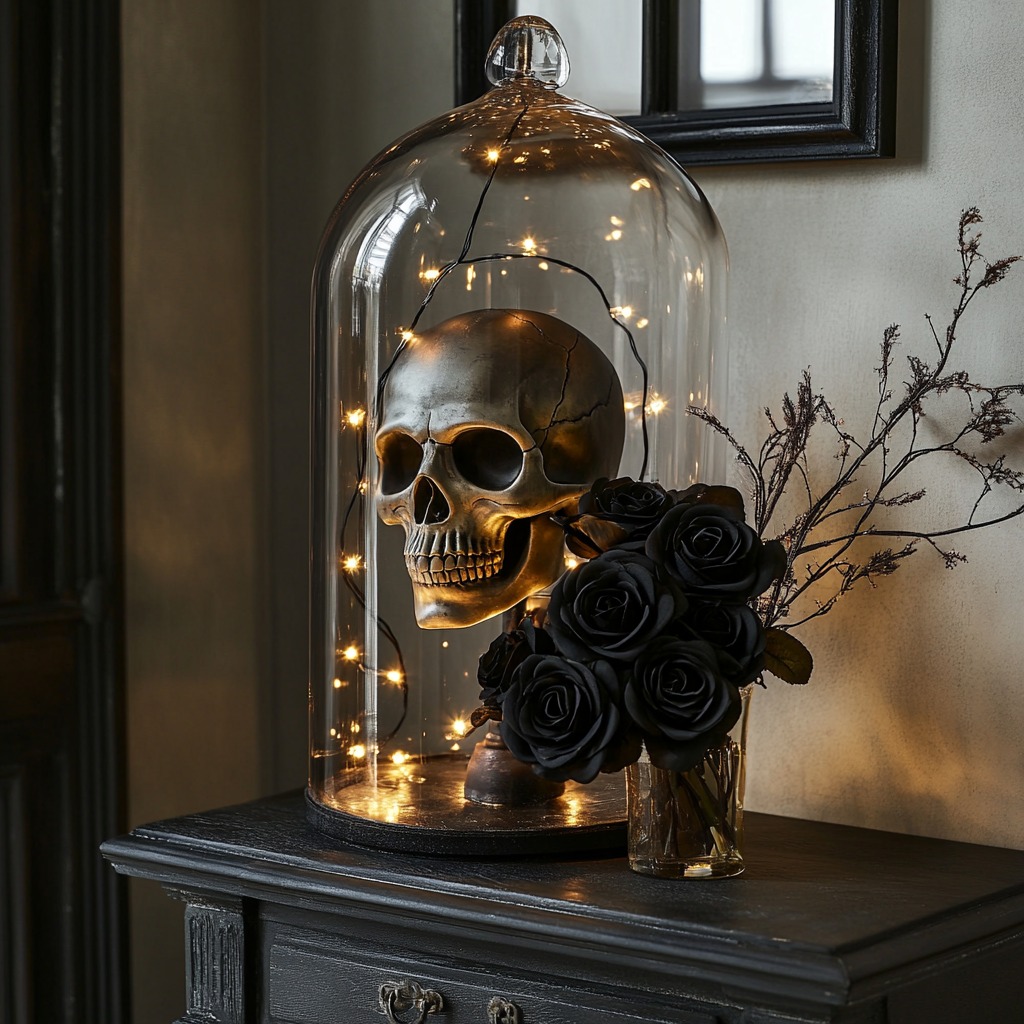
{"points": [[719, 82]]}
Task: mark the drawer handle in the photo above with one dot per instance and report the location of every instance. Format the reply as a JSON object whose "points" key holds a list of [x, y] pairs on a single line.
{"points": [[502, 1011], [408, 995]]}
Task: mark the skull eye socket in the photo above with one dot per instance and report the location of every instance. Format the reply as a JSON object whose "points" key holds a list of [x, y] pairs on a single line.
{"points": [[487, 458], [400, 458]]}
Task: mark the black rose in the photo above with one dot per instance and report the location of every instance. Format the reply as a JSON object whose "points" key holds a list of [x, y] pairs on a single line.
{"points": [[505, 654], [611, 607], [635, 504], [613, 511], [681, 701], [737, 632], [713, 553], [562, 716]]}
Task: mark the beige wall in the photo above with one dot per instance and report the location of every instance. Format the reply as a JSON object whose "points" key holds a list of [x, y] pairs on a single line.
{"points": [[342, 81], [194, 436], [913, 719], [241, 132]]}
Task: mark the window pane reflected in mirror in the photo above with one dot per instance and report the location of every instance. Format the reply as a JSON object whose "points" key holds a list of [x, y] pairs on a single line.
{"points": [[753, 53], [604, 41]]}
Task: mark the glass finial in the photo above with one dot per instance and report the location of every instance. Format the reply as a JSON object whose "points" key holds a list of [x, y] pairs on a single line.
{"points": [[528, 47]]}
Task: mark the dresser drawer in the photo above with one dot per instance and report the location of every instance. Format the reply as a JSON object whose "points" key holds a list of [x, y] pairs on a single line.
{"points": [[309, 982]]}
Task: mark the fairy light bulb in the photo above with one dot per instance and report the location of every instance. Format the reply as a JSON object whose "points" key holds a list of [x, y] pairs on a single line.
{"points": [[350, 653]]}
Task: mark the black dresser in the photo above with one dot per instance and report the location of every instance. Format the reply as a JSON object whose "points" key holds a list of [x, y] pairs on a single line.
{"points": [[829, 923]]}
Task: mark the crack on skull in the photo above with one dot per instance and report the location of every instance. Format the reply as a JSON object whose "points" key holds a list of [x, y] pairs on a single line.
{"points": [[553, 418], [566, 374], [599, 404]]}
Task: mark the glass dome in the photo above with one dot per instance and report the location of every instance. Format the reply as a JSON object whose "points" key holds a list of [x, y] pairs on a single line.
{"points": [[510, 302]]}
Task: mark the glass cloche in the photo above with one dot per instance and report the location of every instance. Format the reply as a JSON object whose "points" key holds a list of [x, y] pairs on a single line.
{"points": [[510, 302]]}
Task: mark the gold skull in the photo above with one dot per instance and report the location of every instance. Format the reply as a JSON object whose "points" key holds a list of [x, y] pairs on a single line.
{"points": [[492, 421]]}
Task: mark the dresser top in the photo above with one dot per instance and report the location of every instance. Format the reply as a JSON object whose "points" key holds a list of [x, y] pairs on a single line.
{"points": [[828, 905]]}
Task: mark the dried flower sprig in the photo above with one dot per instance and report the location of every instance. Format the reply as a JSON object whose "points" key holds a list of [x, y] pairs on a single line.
{"points": [[820, 540]]}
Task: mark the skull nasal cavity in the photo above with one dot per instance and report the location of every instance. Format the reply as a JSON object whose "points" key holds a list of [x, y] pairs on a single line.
{"points": [[429, 504]]}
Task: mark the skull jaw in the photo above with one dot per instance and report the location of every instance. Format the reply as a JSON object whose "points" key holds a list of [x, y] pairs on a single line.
{"points": [[465, 604]]}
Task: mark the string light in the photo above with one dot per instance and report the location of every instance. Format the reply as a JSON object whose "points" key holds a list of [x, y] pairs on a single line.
{"points": [[393, 676], [460, 727], [357, 750], [337, 684], [571, 562], [407, 336], [431, 274], [493, 154], [350, 653], [399, 757], [351, 563], [528, 245], [355, 417], [656, 405]]}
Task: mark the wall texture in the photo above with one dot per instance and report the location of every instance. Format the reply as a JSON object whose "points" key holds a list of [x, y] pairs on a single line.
{"points": [[193, 425], [342, 81], [241, 131], [910, 722], [913, 718]]}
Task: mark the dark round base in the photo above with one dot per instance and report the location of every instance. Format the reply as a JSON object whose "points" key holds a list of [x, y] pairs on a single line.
{"points": [[422, 809]]}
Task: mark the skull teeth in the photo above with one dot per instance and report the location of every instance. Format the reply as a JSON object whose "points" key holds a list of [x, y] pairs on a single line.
{"points": [[462, 567]]}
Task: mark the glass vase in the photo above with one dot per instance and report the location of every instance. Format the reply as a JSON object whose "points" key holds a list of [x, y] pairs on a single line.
{"points": [[690, 824]]}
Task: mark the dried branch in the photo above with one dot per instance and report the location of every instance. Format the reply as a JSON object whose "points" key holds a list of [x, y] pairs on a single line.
{"points": [[894, 445]]}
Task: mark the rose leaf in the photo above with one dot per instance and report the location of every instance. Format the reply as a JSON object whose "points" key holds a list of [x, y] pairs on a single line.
{"points": [[589, 536], [786, 657], [481, 715]]}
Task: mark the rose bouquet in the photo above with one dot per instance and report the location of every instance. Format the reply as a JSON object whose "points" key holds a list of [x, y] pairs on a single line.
{"points": [[646, 643]]}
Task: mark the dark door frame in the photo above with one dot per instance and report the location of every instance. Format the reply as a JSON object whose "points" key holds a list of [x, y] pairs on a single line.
{"points": [[62, 774]]}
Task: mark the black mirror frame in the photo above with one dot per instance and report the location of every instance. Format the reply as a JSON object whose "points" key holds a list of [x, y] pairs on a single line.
{"points": [[859, 122]]}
